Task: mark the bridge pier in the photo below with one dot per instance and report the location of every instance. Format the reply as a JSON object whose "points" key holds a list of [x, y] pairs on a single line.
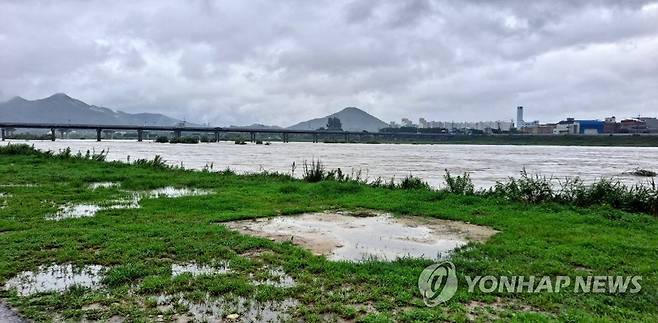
{"points": [[52, 134], [315, 138], [216, 136], [347, 138], [140, 135], [3, 134], [98, 134], [252, 136], [177, 134]]}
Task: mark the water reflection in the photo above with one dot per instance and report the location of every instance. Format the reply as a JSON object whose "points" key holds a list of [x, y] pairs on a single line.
{"points": [[55, 278], [199, 270], [229, 307], [380, 237]]}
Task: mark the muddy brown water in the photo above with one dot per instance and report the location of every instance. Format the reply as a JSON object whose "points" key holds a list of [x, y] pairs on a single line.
{"points": [[485, 163], [381, 236]]}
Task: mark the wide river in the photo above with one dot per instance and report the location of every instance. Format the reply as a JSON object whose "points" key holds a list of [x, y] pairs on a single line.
{"points": [[485, 163]]}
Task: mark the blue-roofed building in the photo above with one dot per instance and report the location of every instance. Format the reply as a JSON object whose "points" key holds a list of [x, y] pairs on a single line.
{"points": [[572, 126], [590, 127]]}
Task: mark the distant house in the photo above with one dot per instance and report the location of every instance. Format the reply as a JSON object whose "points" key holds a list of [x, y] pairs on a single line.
{"points": [[632, 126], [542, 129], [611, 125], [651, 124]]}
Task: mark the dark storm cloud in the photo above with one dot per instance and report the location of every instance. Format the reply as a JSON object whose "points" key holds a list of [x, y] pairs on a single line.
{"points": [[238, 62]]}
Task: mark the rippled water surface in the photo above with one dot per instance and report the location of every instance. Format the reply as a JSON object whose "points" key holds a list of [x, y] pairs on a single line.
{"points": [[486, 163]]}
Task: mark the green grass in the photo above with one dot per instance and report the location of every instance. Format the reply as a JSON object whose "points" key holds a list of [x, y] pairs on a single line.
{"points": [[139, 246]]}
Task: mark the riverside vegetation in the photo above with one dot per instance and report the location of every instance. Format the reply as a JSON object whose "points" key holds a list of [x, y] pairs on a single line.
{"points": [[571, 229]]}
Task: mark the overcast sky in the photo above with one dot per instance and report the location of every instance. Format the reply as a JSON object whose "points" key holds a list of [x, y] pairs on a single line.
{"points": [[279, 62]]}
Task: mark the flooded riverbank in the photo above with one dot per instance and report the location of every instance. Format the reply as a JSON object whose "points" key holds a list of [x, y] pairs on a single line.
{"points": [[486, 164]]}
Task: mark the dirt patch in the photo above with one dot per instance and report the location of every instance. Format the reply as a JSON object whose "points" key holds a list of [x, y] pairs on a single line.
{"points": [[341, 236], [255, 253]]}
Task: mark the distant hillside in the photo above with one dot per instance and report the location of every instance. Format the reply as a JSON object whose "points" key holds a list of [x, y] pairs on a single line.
{"points": [[352, 119], [61, 108], [257, 126]]}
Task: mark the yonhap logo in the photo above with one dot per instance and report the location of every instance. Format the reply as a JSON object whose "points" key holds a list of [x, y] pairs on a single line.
{"points": [[438, 283]]}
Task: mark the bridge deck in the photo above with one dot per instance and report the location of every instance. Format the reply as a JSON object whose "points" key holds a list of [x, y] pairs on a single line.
{"points": [[178, 130]]}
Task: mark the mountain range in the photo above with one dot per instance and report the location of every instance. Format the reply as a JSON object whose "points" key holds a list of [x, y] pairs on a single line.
{"points": [[61, 108]]}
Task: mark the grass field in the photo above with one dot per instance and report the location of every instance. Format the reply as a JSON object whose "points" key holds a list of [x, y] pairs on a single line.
{"points": [[139, 246]]}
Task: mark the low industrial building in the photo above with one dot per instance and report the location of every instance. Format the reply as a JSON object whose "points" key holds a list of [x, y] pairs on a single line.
{"points": [[572, 126]]}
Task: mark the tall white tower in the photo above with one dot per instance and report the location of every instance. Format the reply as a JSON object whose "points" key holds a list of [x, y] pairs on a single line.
{"points": [[519, 118]]}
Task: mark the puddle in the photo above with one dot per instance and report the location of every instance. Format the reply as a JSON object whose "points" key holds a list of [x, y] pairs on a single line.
{"points": [[341, 236], [277, 278], [19, 185], [97, 185], [176, 192], [199, 270], [4, 198], [131, 203], [56, 278], [74, 211], [236, 309]]}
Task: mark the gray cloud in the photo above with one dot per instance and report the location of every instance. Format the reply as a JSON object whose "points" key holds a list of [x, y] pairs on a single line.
{"points": [[278, 62]]}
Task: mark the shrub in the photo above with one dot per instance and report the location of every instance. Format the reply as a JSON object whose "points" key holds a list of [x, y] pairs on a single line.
{"points": [[162, 139], [313, 172], [413, 183], [527, 188], [157, 162], [184, 140], [459, 184], [643, 172], [18, 149]]}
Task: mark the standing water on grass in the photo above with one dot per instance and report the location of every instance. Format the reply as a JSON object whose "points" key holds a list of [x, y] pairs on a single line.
{"points": [[486, 163], [55, 278], [377, 236]]}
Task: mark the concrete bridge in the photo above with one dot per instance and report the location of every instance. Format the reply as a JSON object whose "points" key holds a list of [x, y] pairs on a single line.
{"points": [[216, 131]]}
